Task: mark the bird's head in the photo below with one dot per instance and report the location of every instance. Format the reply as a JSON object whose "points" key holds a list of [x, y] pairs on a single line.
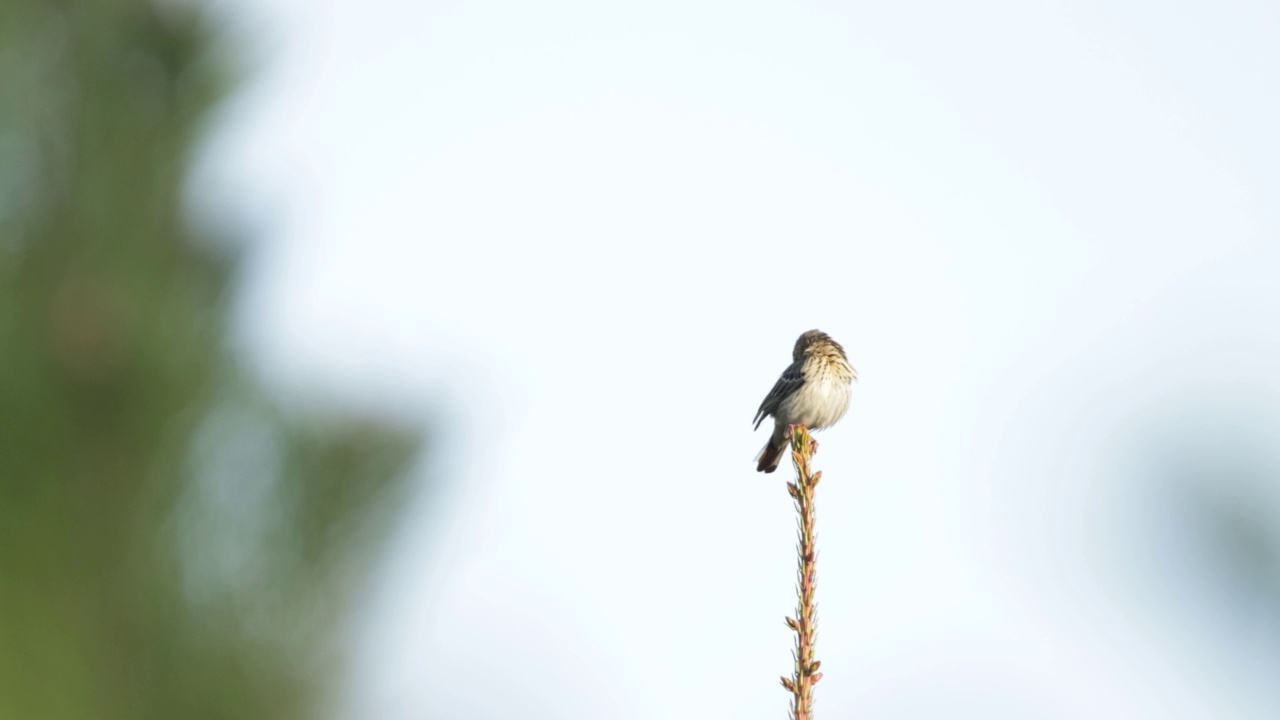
{"points": [[815, 341]]}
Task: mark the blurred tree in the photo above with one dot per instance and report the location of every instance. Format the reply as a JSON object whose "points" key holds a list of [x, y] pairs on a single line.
{"points": [[171, 544]]}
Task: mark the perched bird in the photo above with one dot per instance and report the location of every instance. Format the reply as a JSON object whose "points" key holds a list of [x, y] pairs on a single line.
{"points": [[813, 391]]}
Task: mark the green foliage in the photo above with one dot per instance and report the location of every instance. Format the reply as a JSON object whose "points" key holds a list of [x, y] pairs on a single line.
{"points": [[171, 544]]}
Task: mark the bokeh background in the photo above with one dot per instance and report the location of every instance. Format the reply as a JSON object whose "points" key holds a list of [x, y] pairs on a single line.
{"points": [[396, 359]]}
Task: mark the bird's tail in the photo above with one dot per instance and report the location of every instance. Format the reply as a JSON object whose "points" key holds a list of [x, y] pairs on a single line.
{"points": [[770, 456]]}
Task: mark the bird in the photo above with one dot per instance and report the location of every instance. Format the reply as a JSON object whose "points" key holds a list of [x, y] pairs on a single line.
{"points": [[813, 391]]}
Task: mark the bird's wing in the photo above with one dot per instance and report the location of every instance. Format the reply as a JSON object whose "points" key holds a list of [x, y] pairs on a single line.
{"points": [[791, 380]]}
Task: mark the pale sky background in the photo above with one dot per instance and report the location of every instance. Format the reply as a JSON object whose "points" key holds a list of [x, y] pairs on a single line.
{"points": [[582, 238]]}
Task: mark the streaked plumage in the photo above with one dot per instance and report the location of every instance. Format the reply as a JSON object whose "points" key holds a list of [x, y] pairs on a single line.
{"points": [[813, 391]]}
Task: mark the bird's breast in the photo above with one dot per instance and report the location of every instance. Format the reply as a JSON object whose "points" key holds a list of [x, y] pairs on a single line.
{"points": [[820, 402]]}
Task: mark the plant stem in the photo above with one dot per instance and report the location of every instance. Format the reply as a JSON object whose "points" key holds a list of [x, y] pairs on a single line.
{"points": [[805, 622]]}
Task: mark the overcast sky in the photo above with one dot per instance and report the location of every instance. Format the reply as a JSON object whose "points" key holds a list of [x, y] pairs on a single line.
{"points": [[584, 236]]}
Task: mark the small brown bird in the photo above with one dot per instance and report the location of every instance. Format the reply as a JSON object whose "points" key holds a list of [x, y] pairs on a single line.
{"points": [[813, 391]]}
